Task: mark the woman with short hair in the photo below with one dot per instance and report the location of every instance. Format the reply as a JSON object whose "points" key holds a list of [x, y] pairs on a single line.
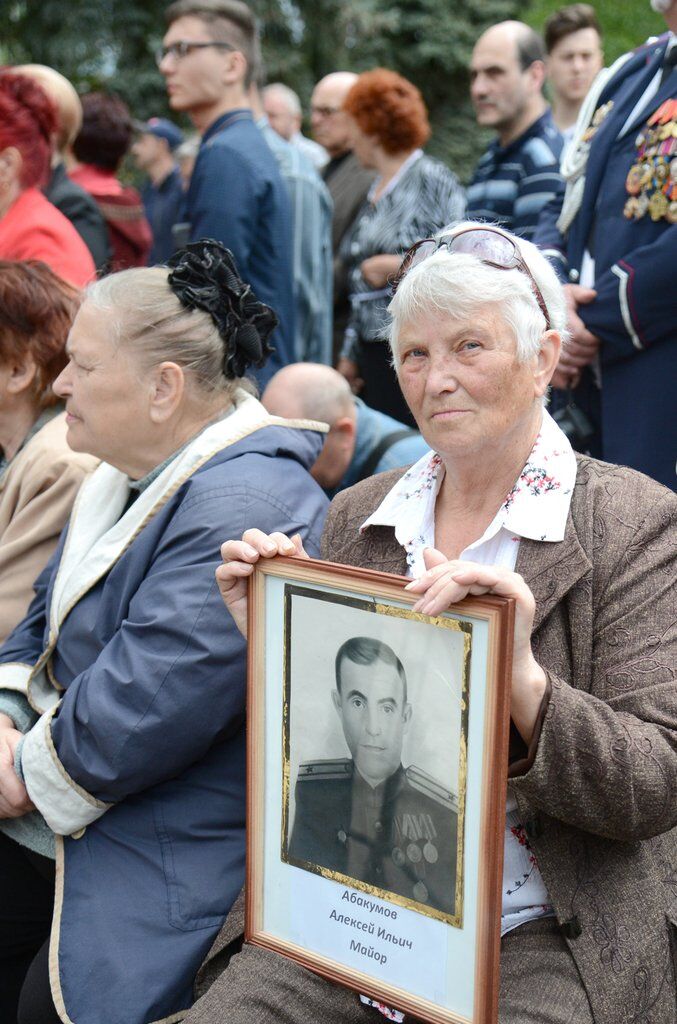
{"points": [[502, 505], [39, 473], [96, 155], [135, 765], [412, 196], [30, 227]]}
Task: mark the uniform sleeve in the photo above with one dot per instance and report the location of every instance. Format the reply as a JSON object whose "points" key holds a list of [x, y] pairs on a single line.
{"points": [[607, 764], [635, 304], [223, 203], [549, 238], [170, 682]]}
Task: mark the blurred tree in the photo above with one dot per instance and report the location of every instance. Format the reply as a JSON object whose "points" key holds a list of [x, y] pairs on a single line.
{"points": [[111, 44]]}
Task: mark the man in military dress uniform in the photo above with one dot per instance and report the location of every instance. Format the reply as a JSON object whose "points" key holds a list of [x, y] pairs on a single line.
{"points": [[614, 239], [368, 817]]}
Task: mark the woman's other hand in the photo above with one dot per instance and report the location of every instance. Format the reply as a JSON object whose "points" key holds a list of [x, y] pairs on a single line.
{"points": [[14, 798], [239, 558], [446, 582], [378, 270]]}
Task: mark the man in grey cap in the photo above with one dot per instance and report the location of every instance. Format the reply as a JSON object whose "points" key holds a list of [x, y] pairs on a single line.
{"points": [[163, 194]]}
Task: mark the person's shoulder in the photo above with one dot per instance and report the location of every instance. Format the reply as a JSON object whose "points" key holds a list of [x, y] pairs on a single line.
{"points": [[428, 787], [621, 507], [336, 769], [48, 448], [324, 783], [435, 170], [362, 498]]}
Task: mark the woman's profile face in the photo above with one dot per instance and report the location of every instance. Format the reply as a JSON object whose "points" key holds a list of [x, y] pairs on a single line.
{"points": [[105, 390], [362, 145]]}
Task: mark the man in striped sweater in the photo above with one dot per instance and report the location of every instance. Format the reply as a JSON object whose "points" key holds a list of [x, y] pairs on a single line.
{"points": [[518, 173]]}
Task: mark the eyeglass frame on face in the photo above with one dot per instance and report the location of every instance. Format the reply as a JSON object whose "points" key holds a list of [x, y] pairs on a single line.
{"points": [[447, 241], [325, 111], [184, 47]]}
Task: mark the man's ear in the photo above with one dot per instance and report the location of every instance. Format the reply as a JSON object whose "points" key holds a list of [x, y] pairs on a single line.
{"points": [[344, 428], [537, 72], [406, 715], [235, 68], [336, 699], [167, 389]]}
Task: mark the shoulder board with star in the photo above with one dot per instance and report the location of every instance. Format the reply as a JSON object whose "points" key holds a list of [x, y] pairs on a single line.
{"points": [[429, 786], [652, 42], [338, 768]]}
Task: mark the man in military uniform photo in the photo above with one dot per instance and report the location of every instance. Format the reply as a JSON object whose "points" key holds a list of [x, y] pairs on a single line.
{"points": [[368, 817], [614, 241]]}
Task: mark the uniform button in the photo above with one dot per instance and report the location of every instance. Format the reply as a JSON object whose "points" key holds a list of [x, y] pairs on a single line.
{"points": [[378, 827], [341, 836], [378, 871], [574, 275], [571, 929], [79, 834]]}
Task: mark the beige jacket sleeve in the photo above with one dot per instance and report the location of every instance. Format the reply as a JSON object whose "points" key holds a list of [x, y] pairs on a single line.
{"points": [[36, 498]]}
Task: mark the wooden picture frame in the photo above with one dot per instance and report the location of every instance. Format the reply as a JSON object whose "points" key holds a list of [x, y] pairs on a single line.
{"points": [[409, 723]]}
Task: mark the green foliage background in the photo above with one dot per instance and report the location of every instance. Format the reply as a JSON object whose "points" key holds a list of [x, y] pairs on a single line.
{"points": [[111, 44]]}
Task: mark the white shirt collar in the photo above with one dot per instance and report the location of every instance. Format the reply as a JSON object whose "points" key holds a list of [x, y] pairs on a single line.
{"points": [[536, 507]]}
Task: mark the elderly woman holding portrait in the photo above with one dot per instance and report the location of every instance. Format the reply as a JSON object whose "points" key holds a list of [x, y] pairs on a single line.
{"points": [[39, 473], [502, 505], [133, 773]]}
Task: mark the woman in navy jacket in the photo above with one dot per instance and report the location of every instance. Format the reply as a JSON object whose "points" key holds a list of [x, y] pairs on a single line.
{"points": [[122, 693]]}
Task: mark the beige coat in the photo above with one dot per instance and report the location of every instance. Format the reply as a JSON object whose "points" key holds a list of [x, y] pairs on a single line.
{"points": [[598, 790], [36, 495]]}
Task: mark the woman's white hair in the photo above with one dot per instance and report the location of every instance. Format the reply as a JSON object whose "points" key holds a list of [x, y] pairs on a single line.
{"points": [[145, 316], [459, 286]]}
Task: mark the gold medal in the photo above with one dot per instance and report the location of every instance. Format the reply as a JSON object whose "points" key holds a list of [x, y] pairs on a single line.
{"points": [[630, 209], [658, 206], [632, 182], [642, 205]]}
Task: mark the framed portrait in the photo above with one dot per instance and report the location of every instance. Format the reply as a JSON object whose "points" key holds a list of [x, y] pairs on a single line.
{"points": [[377, 753]]}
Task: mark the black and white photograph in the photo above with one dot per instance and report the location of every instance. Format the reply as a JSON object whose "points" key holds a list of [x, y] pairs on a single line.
{"points": [[375, 748]]}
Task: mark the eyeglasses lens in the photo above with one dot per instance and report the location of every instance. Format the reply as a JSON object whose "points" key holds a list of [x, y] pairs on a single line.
{"points": [[486, 245]]}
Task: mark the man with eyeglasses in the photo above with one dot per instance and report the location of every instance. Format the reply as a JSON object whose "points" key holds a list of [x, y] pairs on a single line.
{"points": [[209, 57], [347, 181]]}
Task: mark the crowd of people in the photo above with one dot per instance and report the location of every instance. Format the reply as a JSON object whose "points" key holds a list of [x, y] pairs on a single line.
{"points": [[448, 365]]}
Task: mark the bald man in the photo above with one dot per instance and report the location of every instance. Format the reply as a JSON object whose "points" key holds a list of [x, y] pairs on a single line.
{"points": [[519, 172], [346, 179], [68, 197], [360, 442]]}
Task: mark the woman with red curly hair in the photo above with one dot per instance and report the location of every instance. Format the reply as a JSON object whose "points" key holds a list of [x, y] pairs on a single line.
{"points": [[412, 197], [39, 474], [30, 227]]}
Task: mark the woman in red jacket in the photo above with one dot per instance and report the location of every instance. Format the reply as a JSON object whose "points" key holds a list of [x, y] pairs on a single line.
{"points": [[30, 227]]}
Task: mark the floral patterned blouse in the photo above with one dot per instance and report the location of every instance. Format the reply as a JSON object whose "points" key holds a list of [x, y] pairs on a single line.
{"points": [[536, 507]]}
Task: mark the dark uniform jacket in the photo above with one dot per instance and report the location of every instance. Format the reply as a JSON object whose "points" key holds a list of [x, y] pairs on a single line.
{"points": [[596, 791], [635, 311], [399, 836]]}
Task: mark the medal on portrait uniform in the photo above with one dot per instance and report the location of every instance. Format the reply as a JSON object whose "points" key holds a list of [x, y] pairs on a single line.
{"points": [[651, 182]]}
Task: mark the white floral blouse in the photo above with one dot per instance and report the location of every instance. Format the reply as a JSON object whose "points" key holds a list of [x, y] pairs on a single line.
{"points": [[536, 508]]}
